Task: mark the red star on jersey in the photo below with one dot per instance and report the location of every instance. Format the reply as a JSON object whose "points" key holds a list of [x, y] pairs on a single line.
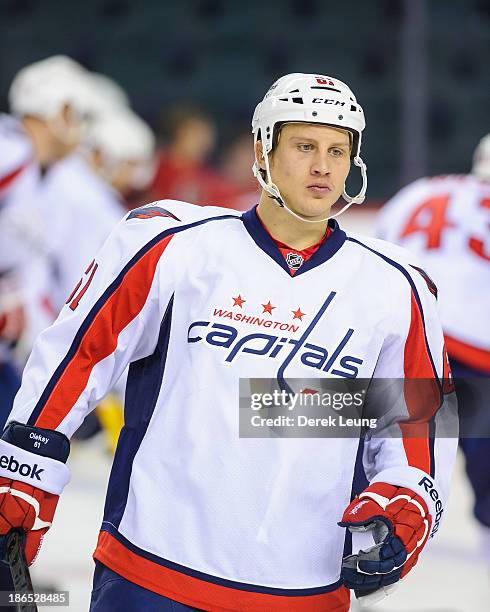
{"points": [[268, 307], [298, 314], [238, 301]]}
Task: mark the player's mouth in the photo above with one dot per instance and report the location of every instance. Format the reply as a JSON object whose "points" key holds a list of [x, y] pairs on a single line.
{"points": [[319, 189]]}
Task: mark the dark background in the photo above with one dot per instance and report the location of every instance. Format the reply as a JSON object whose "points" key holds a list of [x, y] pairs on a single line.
{"points": [[420, 68]]}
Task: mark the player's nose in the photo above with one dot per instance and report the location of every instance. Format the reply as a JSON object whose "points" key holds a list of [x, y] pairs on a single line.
{"points": [[321, 165]]}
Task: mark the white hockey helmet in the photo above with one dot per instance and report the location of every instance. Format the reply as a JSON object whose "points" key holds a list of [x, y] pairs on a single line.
{"points": [[43, 88], [122, 136], [481, 159], [308, 98], [107, 96]]}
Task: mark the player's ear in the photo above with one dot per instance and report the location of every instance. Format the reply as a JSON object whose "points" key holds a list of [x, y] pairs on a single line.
{"points": [[259, 155]]}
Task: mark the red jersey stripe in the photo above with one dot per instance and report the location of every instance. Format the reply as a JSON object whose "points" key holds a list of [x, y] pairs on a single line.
{"points": [[469, 355], [421, 391], [198, 593], [416, 445], [8, 179], [100, 339]]}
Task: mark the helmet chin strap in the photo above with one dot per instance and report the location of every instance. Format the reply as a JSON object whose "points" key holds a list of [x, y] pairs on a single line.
{"points": [[361, 196], [273, 190]]}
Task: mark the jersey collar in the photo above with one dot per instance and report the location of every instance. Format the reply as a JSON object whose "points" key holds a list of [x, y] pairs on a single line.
{"points": [[262, 239]]}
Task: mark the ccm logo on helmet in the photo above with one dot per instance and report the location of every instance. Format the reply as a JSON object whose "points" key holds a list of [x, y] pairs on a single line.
{"points": [[328, 101], [12, 465], [434, 495]]}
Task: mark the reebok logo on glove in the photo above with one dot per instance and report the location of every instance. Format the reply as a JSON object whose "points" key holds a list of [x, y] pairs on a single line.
{"points": [[24, 469], [432, 491]]}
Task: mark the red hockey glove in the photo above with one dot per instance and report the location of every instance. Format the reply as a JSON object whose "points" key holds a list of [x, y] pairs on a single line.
{"points": [[12, 324], [400, 522], [32, 475], [29, 509]]}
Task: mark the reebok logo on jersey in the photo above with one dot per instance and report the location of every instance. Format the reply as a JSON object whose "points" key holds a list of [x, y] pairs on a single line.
{"points": [[24, 469], [434, 495]]}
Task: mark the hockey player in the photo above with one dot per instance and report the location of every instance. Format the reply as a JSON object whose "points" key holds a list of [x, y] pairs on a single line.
{"points": [[29, 145], [195, 298], [50, 191], [48, 100], [121, 150], [16, 174], [445, 221], [55, 98]]}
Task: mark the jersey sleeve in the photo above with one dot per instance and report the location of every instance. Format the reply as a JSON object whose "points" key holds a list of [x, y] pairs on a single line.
{"points": [[415, 446], [112, 318]]}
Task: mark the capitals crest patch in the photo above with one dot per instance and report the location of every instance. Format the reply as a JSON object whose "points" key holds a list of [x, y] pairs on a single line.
{"points": [[148, 212], [430, 283]]}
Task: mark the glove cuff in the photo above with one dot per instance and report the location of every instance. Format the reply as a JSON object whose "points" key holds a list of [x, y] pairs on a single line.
{"points": [[420, 483], [43, 473], [45, 442]]}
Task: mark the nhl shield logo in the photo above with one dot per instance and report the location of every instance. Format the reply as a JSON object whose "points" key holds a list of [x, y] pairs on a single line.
{"points": [[294, 261]]}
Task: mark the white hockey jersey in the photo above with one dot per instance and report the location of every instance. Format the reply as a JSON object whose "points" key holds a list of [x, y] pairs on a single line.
{"points": [[24, 242], [82, 210], [445, 221], [18, 177], [193, 299]]}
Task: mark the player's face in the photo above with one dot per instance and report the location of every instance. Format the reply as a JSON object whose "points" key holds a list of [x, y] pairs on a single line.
{"points": [[309, 166], [66, 132]]}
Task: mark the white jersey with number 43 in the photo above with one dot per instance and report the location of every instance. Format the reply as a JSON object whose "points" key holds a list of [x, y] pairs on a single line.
{"points": [[445, 221]]}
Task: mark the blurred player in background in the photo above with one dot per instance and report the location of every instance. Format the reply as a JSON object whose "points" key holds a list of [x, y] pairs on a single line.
{"points": [[236, 160], [48, 103], [17, 173], [79, 207], [445, 220], [182, 171], [60, 205], [196, 516], [121, 150]]}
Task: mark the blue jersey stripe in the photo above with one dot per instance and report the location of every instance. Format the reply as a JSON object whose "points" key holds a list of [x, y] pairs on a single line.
{"points": [[142, 391], [280, 373]]}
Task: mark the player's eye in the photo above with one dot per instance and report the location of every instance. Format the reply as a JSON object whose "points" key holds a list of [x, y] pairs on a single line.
{"points": [[305, 147], [336, 152]]}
